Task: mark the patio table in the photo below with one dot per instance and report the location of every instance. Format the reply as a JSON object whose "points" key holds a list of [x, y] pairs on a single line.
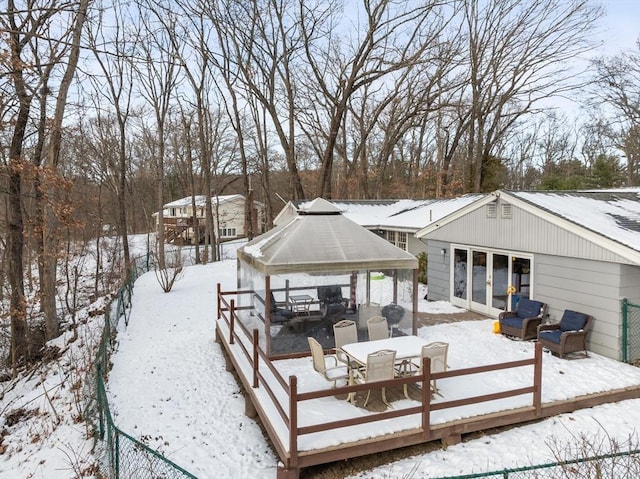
{"points": [[406, 348], [300, 303]]}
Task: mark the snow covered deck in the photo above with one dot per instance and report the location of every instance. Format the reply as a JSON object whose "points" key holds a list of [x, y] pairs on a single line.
{"points": [[492, 382]]}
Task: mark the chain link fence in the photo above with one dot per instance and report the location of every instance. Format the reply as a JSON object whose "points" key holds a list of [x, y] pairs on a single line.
{"points": [[620, 465], [120, 456], [630, 332]]}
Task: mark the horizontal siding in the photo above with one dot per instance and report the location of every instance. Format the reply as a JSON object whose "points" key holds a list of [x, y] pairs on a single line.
{"points": [[438, 271], [522, 232], [414, 245], [586, 286]]}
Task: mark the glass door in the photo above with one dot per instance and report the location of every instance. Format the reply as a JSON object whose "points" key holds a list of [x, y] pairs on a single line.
{"points": [[484, 284], [459, 278], [480, 280]]}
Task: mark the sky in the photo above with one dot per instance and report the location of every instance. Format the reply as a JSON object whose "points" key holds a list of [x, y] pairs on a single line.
{"points": [[170, 389]]}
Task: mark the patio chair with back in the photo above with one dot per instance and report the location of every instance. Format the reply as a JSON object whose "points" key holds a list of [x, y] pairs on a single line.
{"points": [[378, 328], [279, 315], [329, 372], [380, 367], [332, 304], [437, 353], [524, 321], [567, 336], [344, 332]]}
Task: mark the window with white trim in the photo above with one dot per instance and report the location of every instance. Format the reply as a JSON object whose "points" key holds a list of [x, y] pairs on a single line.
{"points": [[227, 232]]}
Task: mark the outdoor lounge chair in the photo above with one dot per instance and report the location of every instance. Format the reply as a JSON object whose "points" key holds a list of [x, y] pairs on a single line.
{"points": [[524, 321], [332, 304], [329, 372], [279, 315], [380, 367], [568, 336]]}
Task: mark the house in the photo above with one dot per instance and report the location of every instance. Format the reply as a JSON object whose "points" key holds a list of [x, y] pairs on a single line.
{"points": [[577, 250], [184, 225], [395, 220]]}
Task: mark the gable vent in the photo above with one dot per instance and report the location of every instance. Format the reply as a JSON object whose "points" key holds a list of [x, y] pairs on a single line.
{"points": [[492, 210], [507, 211]]}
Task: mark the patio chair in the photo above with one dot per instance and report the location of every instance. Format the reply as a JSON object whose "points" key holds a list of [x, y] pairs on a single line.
{"points": [[378, 328], [320, 363], [567, 336], [437, 353], [332, 304], [279, 315], [380, 367], [524, 321], [344, 332]]}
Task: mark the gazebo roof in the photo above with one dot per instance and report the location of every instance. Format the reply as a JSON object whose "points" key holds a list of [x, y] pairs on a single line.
{"points": [[319, 239]]}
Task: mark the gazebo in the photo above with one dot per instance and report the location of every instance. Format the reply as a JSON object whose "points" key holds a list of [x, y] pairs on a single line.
{"points": [[319, 267]]}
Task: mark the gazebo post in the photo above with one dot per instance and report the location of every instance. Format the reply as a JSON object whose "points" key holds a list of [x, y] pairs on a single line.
{"points": [[267, 314], [414, 325]]}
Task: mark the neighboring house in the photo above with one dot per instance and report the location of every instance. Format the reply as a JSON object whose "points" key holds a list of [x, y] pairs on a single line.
{"points": [[184, 226], [577, 250], [395, 220]]}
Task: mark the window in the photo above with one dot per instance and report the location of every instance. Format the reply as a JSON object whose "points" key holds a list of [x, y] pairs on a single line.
{"points": [[402, 241], [227, 233], [397, 238]]}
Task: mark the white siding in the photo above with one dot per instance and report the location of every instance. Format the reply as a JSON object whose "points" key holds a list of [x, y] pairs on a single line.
{"points": [[438, 271], [522, 232], [591, 287]]}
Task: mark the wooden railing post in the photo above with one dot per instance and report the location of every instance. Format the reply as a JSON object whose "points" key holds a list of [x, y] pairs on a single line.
{"points": [[232, 320], [293, 422], [426, 397], [256, 358], [219, 290], [537, 379]]}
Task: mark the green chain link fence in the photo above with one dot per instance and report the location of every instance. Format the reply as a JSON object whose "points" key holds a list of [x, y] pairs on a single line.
{"points": [[619, 465], [121, 456], [630, 332]]}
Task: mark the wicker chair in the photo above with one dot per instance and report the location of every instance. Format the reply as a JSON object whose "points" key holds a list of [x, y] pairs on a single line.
{"points": [[568, 336], [524, 321]]}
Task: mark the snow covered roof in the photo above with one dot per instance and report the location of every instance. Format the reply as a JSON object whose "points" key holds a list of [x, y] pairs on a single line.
{"points": [[320, 239], [614, 213], [201, 201], [402, 215], [610, 218]]}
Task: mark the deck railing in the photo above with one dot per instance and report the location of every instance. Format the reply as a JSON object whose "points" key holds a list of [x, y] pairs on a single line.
{"points": [[258, 360]]}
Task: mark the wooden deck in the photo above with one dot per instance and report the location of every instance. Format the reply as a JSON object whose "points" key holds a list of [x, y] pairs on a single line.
{"points": [[265, 389]]}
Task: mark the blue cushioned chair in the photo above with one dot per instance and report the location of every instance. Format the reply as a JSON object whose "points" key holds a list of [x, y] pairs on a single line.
{"points": [[568, 336], [524, 321]]}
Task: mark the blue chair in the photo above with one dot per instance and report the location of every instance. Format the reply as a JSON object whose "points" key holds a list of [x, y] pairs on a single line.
{"points": [[524, 321], [568, 336]]}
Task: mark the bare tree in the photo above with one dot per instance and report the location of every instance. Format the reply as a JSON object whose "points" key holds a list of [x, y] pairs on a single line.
{"points": [[157, 78], [519, 54], [112, 39], [617, 86], [42, 37]]}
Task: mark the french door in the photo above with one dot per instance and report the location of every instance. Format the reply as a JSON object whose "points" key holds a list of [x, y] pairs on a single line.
{"points": [[482, 280]]}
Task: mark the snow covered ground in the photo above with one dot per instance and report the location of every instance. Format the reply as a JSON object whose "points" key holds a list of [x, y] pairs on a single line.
{"points": [[169, 388]]}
